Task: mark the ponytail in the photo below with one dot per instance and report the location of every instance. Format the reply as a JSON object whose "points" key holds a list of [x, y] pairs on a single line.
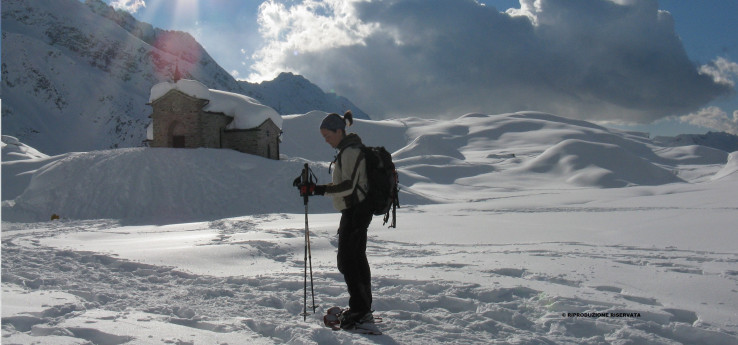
{"points": [[348, 118]]}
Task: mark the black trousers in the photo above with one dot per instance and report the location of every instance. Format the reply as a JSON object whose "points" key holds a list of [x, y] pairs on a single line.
{"points": [[352, 261]]}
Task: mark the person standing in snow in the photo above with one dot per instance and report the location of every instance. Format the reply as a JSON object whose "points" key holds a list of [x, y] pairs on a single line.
{"points": [[347, 191]]}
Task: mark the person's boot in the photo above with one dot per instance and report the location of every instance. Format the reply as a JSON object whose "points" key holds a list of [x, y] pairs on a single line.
{"points": [[349, 319]]}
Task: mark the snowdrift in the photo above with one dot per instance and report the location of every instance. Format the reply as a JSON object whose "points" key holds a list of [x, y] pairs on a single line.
{"points": [[16, 175], [597, 164], [730, 168], [693, 154], [162, 185], [12, 149], [435, 160], [19, 162]]}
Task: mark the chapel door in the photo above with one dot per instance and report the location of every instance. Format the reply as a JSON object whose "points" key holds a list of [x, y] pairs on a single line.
{"points": [[177, 133], [178, 141]]}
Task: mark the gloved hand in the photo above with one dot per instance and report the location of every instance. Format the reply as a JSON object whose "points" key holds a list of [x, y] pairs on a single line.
{"points": [[319, 189], [306, 189]]}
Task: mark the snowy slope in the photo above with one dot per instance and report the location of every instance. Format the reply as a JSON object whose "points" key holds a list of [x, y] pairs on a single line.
{"points": [[77, 76], [730, 168], [146, 185], [160, 185], [19, 162], [12, 149], [597, 164], [77, 81], [471, 151], [522, 228]]}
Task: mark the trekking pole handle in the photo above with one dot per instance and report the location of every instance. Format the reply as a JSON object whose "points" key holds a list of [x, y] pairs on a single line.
{"points": [[305, 182]]}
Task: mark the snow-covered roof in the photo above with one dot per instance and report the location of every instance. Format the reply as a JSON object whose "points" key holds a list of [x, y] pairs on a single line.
{"points": [[246, 111]]}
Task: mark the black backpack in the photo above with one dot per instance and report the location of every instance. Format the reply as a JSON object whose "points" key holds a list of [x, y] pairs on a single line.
{"points": [[382, 181], [381, 174]]}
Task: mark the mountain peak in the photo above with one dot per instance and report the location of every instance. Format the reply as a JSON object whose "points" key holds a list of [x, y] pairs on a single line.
{"points": [[289, 76], [291, 93]]}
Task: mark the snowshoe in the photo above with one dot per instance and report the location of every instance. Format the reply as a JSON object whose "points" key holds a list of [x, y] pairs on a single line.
{"points": [[331, 318], [340, 319]]}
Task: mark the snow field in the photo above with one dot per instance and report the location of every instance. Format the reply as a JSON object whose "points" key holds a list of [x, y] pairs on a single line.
{"points": [[515, 229], [471, 287]]}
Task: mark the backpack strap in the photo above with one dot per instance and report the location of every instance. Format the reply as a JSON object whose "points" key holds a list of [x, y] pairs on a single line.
{"points": [[395, 205], [354, 196], [337, 157], [352, 199]]}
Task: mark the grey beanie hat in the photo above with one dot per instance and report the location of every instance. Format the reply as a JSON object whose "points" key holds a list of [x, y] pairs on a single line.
{"points": [[335, 122]]}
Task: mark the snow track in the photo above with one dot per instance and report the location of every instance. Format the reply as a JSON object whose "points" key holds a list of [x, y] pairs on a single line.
{"points": [[103, 298]]}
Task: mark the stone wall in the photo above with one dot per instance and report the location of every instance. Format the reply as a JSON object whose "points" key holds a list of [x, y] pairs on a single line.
{"points": [[262, 140], [211, 127], [176, 114], [178, 119], [268, 140]]}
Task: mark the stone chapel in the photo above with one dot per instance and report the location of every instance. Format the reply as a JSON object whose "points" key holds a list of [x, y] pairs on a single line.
{"points": [[186, 114]]}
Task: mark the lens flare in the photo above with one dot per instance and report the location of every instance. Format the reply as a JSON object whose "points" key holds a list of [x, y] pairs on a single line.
{"points": [[178, 52]]}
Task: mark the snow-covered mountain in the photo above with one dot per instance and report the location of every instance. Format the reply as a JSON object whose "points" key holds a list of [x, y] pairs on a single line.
{"points": [[293, 94], [77, 76], [719, 140]]}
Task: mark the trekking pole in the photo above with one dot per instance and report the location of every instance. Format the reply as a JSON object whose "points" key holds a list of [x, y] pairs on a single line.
{"points": [[306, 179], [310, 260]]}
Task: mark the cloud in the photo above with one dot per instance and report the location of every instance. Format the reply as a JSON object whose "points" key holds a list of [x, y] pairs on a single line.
{"points": [[312, 26], [713, 118], [722, 71], [128, 5], [589, 59]]}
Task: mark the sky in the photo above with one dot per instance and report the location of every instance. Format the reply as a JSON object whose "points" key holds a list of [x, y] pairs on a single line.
{"points": [[660, 66]]}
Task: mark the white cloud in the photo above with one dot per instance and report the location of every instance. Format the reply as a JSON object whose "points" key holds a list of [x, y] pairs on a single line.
{"points": [[590, 59], [722, 71], [309, 26], [128, 5], [528, 9], [713, 118]]}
